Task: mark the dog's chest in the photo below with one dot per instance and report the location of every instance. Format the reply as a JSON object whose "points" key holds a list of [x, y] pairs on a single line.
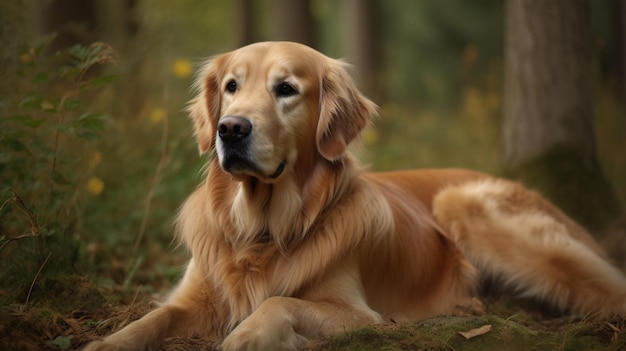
{"points": [[243, 279]]}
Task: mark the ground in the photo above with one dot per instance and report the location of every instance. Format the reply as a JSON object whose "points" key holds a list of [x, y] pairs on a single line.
{"points": [[75, 311]]}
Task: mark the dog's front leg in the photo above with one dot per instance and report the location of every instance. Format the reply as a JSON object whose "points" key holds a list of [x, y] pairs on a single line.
{"points": [[286, 323], [191, 309], [143, 334]]}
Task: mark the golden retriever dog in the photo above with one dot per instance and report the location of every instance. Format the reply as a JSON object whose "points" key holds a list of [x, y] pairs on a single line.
{"points": [[291, 239]]}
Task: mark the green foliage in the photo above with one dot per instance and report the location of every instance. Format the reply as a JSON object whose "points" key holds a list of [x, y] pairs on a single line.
{"points": [[46, 129]]}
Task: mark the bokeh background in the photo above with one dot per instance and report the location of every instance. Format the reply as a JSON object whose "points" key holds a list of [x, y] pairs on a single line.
{"points": [[96, 151]]}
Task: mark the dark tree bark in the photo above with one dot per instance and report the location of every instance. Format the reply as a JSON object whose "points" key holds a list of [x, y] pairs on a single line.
{"points": [[244, 19], [548, 131], [74, 21], [362, 39], [292, 20], [621, 44], [117, 20], [547, 58]]}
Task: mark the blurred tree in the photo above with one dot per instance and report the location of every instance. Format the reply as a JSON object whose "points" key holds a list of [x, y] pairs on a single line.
{"points": [[292, 20], [363, 40], [243, 16], [548, 132], [118, 21], [621, 44], [73, 20]]}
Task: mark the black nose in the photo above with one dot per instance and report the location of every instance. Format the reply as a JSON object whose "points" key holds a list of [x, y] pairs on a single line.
{"points": [[234, 128]]}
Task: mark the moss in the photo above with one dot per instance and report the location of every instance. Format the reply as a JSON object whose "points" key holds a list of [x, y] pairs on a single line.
{"points": [[442, 333], [580, 190]]}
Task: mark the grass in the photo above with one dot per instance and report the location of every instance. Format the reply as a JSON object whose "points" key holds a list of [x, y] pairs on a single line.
{"points": [[62, 323]]}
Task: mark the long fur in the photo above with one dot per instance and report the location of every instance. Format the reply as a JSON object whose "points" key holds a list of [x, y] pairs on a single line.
{"points": [[304, 242]]}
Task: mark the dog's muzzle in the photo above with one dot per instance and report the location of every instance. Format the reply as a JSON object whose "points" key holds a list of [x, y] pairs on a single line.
{"points": [[234, 133]]}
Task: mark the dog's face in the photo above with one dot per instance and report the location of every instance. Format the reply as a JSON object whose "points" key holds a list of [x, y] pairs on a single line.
{"points": [[267, 105]]}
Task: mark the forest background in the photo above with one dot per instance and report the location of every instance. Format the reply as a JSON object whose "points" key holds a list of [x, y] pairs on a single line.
{"points": [[96, 151]]}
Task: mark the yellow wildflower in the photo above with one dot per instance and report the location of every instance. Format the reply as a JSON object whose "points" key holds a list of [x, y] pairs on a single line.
{"points": [[26, 57], [157, 115], [95, 186], [370, 136], [182, 68]]}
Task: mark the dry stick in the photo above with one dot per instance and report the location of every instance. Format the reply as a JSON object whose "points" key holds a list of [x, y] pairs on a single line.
{"points": [[35, 230], [128, 309], [30, 290], [153, 185], [59, 110]]}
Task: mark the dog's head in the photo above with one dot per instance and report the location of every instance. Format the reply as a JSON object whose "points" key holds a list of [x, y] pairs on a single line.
{"points": [[266, 106]]}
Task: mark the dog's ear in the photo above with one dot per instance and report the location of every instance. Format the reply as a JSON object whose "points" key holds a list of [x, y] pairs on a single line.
{"points": [[344, 112], [204, 109]]}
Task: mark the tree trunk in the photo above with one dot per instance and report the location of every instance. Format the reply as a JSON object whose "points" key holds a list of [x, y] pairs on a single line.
{"points": [[291, 20], [74, 21], [362, 38], [621, 44], [547, 130], [243, 12], [547, 58]]}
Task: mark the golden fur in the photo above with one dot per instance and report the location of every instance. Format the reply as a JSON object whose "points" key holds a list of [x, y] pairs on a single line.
{"points": [[291, 239]]}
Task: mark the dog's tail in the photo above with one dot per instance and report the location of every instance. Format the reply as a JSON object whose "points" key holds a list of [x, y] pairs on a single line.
{"points": [[515, 236]]}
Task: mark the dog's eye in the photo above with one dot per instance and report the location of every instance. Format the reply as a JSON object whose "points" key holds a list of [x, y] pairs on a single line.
{"points": [[285, 89], [231, 86]]}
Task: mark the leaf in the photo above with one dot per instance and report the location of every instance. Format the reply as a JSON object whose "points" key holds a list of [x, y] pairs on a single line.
{"points": [[78, 54], [40, 78], [88, 135], [15, 144], [104, 80], [69, 71], [59, 179], [93, 124], [31, 100], [72, 104], [88, 115], [476, 332], [92, 121], [63, 342], [33, 123], [67, 128]]}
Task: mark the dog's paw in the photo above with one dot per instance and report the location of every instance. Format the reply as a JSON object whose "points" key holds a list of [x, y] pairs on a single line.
{"points": [[102, 345], [250, 337], [118, 345]]}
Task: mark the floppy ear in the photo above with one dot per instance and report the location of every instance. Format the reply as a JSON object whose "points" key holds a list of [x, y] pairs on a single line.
{"points": [[344, 112], [204, 109]]}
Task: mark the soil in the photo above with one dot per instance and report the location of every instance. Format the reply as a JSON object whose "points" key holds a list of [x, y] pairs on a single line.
{"points": [[70, 311]]}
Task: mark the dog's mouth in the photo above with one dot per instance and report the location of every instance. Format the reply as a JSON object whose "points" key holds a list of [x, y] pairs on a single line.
{"points": [[279, 170], [239, 165]]}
